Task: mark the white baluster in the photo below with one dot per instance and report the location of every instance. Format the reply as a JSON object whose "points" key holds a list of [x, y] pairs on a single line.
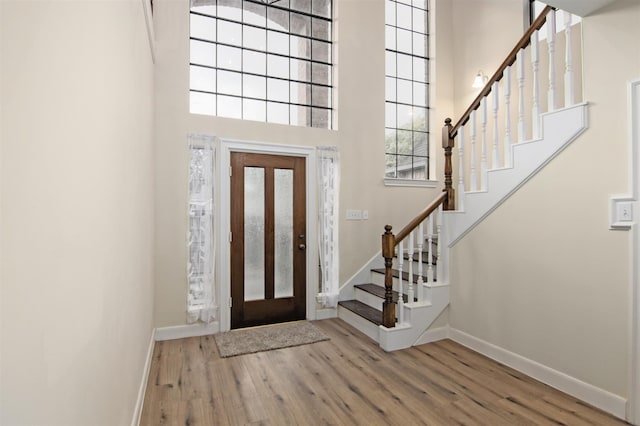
{"points": [[400, 298], [535, 111], [568, 70], [420, 247], [461, 170], [507, 116], [473, 179], [551, 40], [520, 77], [430, 250], [439, 265], [496, 98], [410, 289], [483, 158]]}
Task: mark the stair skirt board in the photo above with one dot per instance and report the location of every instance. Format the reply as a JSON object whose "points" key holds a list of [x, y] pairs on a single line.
{"points": [[559, 129]]}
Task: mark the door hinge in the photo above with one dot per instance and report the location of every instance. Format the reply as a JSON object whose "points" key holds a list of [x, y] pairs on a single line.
{"points": [[230, 171], [230, 302], [230, 237]]}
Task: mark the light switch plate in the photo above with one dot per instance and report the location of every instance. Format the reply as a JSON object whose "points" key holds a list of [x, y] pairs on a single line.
{"points": [[354, 215], [624, 211], [621, 210]]}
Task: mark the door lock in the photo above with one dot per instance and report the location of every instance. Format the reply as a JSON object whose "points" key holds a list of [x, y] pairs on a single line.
{"points": [[302, 246]]}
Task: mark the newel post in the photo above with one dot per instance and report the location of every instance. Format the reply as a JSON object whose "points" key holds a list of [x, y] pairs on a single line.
{"points": [[447, 144], [388, 307]]}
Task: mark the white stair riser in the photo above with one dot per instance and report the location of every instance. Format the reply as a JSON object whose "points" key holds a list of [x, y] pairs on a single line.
{"points": [[405, 266], [368, 299], [361, 324], [378, 279]]}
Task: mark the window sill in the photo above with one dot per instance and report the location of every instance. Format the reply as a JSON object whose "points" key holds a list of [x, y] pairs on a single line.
{"points": [[410, 183]]}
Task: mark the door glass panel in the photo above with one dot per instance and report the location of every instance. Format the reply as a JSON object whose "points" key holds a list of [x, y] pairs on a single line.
{"points": [[253, 233], [283, 233]]}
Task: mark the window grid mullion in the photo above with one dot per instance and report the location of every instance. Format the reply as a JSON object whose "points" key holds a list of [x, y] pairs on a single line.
{"points": [[260, 99], [263, 75], [266, 52]]}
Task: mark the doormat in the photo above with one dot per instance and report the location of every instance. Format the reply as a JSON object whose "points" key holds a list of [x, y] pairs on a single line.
{"points": [[267, 338]]}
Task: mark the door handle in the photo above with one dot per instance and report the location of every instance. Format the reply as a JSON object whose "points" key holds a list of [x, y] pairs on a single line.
{"points": [[302, 246]]}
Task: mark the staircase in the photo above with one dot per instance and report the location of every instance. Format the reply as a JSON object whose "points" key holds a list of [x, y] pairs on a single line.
{"points": [[398, 312], [368, 297], [365, 310]]}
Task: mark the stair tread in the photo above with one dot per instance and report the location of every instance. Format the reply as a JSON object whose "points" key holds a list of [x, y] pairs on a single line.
{"points": [[365, 311], [396, 274], [378, 291]]}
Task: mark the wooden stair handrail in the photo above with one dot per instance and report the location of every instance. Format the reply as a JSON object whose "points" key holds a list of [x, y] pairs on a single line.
{"points": [[419, 219], [449, 131], [524, 41]]}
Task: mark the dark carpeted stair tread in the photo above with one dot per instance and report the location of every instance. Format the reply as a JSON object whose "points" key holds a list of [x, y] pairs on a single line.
{"points": [[365, 311], [378, 291]]}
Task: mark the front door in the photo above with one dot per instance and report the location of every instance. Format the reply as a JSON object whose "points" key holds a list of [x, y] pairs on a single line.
{"points": [[268, 239]]}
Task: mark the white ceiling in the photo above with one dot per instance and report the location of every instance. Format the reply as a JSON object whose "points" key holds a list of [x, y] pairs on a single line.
{"points": [[579, 7]]}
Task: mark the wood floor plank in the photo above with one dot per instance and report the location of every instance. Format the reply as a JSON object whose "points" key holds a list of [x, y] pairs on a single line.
{"points": [[349, 380], [579, 410]]}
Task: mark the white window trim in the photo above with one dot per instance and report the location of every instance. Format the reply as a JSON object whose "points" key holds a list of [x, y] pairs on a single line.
{"points": [[410, 182]]}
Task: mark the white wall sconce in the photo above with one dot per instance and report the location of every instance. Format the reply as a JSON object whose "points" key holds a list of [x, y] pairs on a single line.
{"points": [[480, 80]]}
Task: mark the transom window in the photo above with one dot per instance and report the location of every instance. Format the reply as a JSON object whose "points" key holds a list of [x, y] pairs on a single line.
{"points": [[264, 61], [407, 89]]}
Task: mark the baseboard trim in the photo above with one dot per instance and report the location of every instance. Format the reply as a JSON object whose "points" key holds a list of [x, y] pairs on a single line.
{"points": [[433, 335], [183, 331], [590, 394], [142, 390], [326, 313]]}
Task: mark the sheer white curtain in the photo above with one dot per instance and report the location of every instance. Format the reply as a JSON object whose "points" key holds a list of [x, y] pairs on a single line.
{"points": [[328, 170], [201, 298]]}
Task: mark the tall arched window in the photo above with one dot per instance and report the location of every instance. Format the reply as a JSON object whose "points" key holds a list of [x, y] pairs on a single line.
{"points": [[262, 60]]}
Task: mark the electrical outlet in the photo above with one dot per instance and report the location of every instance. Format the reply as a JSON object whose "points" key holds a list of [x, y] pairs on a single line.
{"points": [[354, 214], [365, 214]]}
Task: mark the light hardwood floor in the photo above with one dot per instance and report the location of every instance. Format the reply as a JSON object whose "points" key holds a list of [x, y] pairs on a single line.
{"points": [[349, 380]]}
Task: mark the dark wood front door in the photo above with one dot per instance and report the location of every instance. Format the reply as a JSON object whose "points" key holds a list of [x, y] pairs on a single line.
{"points": [[268, 239]]}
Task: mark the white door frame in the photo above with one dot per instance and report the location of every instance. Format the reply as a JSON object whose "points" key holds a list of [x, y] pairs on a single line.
{"points": [[633, 405], [223, 227]]}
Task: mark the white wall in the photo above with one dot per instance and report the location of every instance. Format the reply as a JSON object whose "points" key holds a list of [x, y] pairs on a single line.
{"points": [[484, 33], [77, 211], [360, 137], [543, 277]]}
